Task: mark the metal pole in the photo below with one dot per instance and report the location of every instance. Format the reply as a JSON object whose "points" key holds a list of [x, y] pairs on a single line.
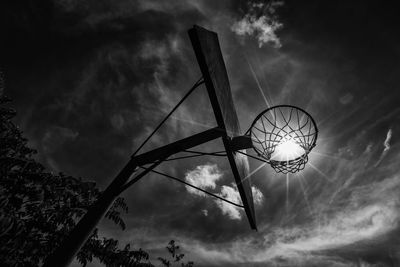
{"points": [[66, 252]]}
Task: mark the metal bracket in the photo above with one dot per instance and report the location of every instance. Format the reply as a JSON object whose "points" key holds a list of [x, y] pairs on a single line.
{"points": [[240, 142]]}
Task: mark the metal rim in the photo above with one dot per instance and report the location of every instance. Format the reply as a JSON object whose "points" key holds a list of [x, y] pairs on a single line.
{"points": [[306, 151]]}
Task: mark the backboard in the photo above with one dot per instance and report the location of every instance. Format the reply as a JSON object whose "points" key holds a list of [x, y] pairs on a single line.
{"points": [[208, 53]]}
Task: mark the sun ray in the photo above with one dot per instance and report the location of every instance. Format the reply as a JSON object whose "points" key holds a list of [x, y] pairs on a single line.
{"points": [[192, 122], [327, 141], [315, 214], [254, 171], [300, 176], [181, 119], [328, 155], [267, 103], [327, 118], [287, 195], [320, 172]]}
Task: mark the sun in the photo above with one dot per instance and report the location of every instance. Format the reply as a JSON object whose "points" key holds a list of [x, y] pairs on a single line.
{"points": [[287, 149]]}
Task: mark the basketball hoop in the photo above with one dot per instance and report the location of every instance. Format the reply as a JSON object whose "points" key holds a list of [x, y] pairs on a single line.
{"points": [[284, 135]]}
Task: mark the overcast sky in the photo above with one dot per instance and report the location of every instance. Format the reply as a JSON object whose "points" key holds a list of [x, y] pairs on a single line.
{"points": [[91, 79]]}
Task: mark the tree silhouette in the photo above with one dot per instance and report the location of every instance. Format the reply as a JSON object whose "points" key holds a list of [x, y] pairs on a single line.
{"points": [[175, 255], [38, 208]]}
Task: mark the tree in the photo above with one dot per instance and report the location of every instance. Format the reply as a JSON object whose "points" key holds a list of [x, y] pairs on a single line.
{"points": [[38, 208], [175, 255]]}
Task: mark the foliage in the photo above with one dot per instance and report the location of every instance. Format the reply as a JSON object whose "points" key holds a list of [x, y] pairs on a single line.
{"points": [[175, 255], [107, 251], [39, 208]]}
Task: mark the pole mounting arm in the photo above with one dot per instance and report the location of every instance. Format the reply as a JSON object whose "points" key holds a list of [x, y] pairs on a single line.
{"points": [[164, 152], [240, 142]]}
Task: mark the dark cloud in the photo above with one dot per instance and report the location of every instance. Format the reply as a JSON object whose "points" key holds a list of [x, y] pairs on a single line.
{"points": [[91, 79]]}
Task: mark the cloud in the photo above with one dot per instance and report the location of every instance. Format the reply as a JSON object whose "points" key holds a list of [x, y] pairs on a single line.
{"points": [[117, 121], [257, 195], [308, 243], [54, 140], [56, 136], [386, 145], [204, 177], [231, 193], [263, 27], [347, 227], [346, 99], [205, 212]]}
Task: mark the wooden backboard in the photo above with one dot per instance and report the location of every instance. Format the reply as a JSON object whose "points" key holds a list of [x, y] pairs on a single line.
{"points": [[208, 53]]}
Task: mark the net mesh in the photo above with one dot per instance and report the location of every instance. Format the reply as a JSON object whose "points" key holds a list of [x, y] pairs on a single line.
{"points": [[281, 124]]}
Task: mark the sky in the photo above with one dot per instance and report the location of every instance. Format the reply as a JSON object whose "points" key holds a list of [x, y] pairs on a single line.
{"points": [[91, 79]]}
